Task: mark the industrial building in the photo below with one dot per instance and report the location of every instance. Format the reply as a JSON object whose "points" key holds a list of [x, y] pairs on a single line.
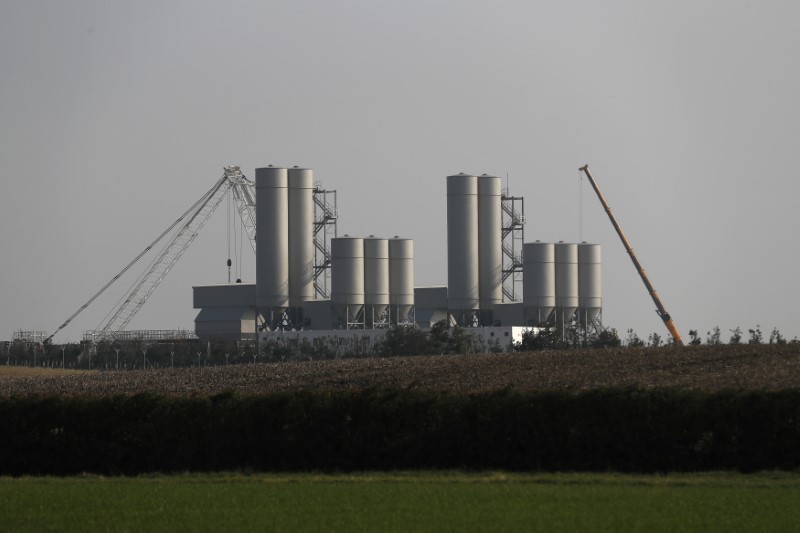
{"points": [[371, 279]]}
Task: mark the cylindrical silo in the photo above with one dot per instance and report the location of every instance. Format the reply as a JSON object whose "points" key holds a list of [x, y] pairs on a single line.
{"points": [[376, 279], [490, 251], [401, 280], [566, 255], [347, 279], [538, 282], [590, 292], [301, 236], [272, 245], [463, 296]]}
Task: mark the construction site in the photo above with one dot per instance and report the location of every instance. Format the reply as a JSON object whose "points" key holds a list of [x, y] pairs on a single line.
{"points": [[316, 287]]}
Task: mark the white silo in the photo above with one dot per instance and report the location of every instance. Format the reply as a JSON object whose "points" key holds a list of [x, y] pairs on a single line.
{"points": [[272, 244], [347, 280], [376, 280], [490, 251], [401, 280], [301, 236], [538, 282], [590, 293], [566, 255], [463, 296]]}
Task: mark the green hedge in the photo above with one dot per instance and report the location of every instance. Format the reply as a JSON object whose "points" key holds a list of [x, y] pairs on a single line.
{"points": [[627, 430]]}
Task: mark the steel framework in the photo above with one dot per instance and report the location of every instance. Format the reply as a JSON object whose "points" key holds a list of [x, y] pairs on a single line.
{"points": [[325, 216], [513, 237]]}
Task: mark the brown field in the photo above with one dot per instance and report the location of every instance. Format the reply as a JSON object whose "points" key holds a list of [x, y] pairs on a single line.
{"points": [[708, 368], [27, 371]]}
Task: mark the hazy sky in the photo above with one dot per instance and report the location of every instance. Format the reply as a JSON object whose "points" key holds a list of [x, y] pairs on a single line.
{"points": [[116, 116]]}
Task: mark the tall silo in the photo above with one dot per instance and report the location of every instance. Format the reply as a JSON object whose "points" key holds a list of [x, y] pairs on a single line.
{"points": [[566, 255], [347, 280], [490, 251], [301, 236], [463, 295], [272, 248], [401, 280], [539, 282], [376, 280], [590, 292]]}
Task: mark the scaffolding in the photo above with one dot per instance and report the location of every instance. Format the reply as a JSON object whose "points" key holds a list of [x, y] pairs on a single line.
{"points": [[513, 237], [325, 216], [29, 336], [148, 335]]}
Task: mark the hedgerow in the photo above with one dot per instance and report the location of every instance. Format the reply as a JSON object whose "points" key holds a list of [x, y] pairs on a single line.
{"points": [[616, 429]]}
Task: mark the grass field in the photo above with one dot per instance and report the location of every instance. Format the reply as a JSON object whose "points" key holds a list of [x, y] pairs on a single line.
{"points": [[404, 502]]}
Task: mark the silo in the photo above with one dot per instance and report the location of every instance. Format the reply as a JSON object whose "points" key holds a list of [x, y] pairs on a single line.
{"points": [[490, 251], [463, 295], [376, 279], [590, 293], [401, 280], [272, 233], [539, 282], [347, 280], [301, 236], [566, 255]]}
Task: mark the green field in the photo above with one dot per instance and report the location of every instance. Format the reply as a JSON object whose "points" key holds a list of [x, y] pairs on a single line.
{"points": [[404, 502]]}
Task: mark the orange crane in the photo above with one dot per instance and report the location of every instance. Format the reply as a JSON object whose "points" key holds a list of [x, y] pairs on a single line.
{"points": [[660, 309]]}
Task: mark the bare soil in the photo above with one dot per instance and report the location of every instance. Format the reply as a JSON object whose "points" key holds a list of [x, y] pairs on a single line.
{"points": [[707, 368], [27, 371]]}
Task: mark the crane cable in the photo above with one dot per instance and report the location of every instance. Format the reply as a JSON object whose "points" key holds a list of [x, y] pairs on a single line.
{"points": [[580, 206], [240, 248], [228, 221]]}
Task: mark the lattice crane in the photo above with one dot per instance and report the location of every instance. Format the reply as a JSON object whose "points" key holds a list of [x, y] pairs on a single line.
{"points": [[196, 217]]}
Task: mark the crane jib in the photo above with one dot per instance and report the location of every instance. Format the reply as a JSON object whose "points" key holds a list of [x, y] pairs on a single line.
{"points": [[661, 310]]}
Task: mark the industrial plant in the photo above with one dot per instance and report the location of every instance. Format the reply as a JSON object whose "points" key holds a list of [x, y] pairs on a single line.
{"points": [[315, 285]]}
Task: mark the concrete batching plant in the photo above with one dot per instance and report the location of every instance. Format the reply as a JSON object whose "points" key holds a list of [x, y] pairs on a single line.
{"points": [[291, 224], [372, 278]]}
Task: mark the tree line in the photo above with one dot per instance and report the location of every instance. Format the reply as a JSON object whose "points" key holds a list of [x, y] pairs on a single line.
{"points": [[441, 339]]}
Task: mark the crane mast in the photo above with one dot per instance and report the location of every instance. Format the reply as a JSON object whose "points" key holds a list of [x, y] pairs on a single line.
{"points": [[660, 309]]}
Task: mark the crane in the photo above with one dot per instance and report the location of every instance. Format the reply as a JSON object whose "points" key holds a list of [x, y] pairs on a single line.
{"points": [[660, 309], [198, 214]]}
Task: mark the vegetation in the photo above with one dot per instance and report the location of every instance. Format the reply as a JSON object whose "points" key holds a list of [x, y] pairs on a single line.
{"points": [[622, 430], [418, 501], [441, 339]]}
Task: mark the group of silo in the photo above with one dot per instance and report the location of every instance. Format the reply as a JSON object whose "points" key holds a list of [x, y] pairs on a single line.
{"points": [[372, 281], [561, 282], [285, 243], [474, 247]]}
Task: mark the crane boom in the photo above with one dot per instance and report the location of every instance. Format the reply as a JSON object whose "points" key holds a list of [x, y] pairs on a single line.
{"points": [[660, 309], [198, 214], [169, 255]]}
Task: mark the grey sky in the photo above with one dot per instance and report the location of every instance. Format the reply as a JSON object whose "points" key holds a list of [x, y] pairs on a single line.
{"points": [[116, 116]]}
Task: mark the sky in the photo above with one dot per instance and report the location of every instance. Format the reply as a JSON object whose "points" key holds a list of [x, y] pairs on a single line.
{"points": [[116, 116]]}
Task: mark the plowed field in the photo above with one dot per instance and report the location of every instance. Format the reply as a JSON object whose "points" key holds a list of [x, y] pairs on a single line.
{"points": [[707, 368]]}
